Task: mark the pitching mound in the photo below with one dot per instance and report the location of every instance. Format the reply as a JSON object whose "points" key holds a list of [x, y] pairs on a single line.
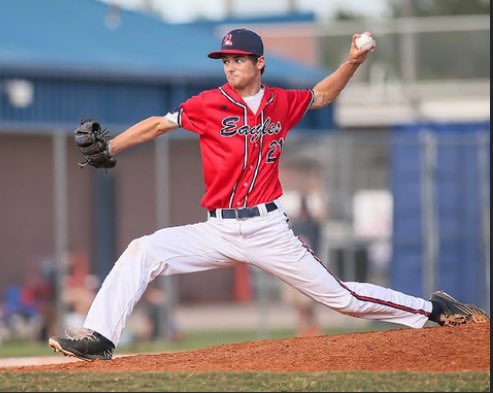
{"points": [[428, 349]]}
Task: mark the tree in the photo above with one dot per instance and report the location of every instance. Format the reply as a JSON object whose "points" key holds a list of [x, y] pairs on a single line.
{"points": [[399, 8]]}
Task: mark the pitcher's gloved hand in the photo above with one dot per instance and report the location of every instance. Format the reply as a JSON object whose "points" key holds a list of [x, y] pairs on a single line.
{"points": [[93, 143]]}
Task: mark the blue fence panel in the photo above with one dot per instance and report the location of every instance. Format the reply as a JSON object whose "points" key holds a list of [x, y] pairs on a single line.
{"points": [[406, 270], [457, 188]]}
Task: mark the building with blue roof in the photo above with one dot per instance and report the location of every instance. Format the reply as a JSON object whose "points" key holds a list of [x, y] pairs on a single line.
{"points": [[89, 58]]}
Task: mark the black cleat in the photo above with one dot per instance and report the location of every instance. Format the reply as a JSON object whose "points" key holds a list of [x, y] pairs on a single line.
{"points": [[84, 344], [454, 313]]}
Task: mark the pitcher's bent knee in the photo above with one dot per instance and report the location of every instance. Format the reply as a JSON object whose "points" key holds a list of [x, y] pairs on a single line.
{"points": [[137, 246], [138, 250]]}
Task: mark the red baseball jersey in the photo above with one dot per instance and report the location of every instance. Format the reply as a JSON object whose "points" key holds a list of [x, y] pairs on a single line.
{"points": [[241, 150]]}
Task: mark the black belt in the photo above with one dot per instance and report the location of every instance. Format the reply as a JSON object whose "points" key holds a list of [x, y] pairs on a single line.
{"points": [[245, 212]]}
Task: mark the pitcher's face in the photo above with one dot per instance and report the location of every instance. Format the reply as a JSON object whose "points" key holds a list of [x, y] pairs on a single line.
{"points": [[242, 71]]}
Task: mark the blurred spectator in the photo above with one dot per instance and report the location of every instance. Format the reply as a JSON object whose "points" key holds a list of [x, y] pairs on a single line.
{"points": [[79, 289], [306, 227], [145, 322], [37, 301], [4, 331], [154, 304], [26, 309], [48, 273], [15, 316]]}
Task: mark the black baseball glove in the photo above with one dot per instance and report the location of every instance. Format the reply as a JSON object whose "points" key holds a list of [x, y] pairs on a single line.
{"points": [[93, 143]]}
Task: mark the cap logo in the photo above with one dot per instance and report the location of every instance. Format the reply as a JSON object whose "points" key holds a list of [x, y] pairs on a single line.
{"points": [[227, 41]]}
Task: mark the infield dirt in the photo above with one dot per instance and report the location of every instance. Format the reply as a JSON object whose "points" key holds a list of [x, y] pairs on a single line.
{"points": [[436, 349]]}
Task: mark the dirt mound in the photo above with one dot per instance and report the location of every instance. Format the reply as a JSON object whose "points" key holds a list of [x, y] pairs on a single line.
{"points": [[429, 349]]}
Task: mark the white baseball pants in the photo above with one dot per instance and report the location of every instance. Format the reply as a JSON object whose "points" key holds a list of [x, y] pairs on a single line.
{"points": [[265, 241]]}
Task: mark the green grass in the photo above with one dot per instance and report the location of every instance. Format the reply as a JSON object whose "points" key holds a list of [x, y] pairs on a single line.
{"points": [[246, 382]]}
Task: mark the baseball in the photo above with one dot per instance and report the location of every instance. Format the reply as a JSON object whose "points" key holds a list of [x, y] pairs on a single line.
{"points": [[365, 42]]}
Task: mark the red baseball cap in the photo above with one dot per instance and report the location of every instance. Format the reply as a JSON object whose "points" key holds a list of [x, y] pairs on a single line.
{"points": [[239, 42]]}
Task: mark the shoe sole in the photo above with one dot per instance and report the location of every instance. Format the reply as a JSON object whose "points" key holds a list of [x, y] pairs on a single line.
{"points": [[55, 345]]}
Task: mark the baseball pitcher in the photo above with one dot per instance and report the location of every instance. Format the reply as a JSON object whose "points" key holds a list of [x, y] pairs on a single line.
{"points": [[242, 128]]}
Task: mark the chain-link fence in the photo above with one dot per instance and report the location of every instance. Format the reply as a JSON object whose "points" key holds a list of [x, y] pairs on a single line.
{"points": [[408, 210]]}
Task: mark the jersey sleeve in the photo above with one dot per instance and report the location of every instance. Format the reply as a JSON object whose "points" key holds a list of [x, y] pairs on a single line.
{"points": [[191, 116], [172, 115], [298, 102]]}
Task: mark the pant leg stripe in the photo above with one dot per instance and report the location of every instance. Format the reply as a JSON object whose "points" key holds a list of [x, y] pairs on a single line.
{"points": [[367, 298]]}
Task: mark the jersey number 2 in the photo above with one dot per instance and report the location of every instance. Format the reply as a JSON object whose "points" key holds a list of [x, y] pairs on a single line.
{"points": [[275, 149]]}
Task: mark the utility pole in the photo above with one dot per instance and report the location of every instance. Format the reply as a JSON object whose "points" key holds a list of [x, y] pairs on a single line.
{"points": [[409, 58]]}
